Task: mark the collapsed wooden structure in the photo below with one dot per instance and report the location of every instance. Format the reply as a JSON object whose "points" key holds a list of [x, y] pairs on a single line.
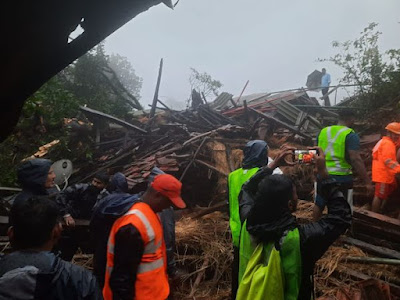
{"points": [[200, 146]]}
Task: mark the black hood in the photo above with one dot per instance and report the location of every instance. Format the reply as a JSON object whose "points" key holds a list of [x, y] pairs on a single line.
{"points": [[118, 184], [32, 174], [255, 154]]}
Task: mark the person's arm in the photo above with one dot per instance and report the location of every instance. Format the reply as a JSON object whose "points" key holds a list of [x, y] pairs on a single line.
{"points": [[359, 166], [66, 199], [128, 252], [353, 151], [387, 155], [315, 238], [248, 192], [249, 189]]}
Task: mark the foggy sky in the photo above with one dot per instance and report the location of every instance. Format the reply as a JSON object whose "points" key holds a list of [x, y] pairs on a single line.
{"points": [[274, 44]]}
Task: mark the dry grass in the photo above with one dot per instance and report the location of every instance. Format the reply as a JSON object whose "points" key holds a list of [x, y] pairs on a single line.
{"points": [[205, 240]]}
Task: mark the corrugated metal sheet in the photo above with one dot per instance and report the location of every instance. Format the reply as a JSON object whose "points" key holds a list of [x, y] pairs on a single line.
{"points": [[223, 101]]}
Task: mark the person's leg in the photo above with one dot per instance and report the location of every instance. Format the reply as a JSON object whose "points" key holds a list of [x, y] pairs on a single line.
{"points": [[235, 272], [168, 224], [326, 98]]}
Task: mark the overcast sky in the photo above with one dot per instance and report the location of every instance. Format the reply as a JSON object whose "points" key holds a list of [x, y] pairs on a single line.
{"points": [[274, 44]]}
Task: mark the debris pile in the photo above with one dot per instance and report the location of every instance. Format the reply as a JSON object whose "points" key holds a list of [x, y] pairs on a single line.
{"points": [[205, 253], [201, 146], [349, 268]]}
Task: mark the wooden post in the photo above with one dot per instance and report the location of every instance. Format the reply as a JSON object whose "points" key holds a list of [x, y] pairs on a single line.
{"points": [[246, 111], [155, 99], [204, 98], [240, 96]]}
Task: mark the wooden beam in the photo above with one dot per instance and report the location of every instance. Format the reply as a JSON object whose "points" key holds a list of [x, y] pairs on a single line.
{"points": [[376, 219], [193, 158], [281, 123], [240, 96], [372, 260], [155, 98], [110, 118], [372, 249], [361, 226], [211, 167]]}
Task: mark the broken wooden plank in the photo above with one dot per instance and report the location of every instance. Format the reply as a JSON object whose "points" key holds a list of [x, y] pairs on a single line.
{"points": [[376, 219], [377, 241], [372, 260], [361, 226], [193, 158], [209, 210], [211, 167], [395, 289], [110, 118], [372, 249], [281, 123]]}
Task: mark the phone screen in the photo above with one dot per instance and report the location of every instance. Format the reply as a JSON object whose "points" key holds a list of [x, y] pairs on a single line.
{"points": [[305, 156]]}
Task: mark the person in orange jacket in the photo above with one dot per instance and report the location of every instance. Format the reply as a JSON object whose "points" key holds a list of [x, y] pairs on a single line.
{"points": [[136, 254], [385, 166]]}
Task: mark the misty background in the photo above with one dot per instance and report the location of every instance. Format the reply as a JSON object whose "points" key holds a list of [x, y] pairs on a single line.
{"points": [[274, 44]]}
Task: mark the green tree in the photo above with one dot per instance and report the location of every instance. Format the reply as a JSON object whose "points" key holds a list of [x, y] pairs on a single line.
{"points": [[98, 85], [126, 74], [375, 73], [204, 83], [90, 80]]}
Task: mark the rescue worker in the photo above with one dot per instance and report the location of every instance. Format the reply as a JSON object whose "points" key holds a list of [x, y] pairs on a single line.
{"points": [[385, 166], [136, 255], [35, 177], [32, 271], [255, 156], [77, 202], [270, 222], [104, 215], [341, 146]]}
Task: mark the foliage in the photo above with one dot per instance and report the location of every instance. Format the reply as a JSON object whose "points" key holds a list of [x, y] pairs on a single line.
{"points": [[92, 80], [126, 74], [204, 83], [40, 123], [375, 73], [42, 117]]}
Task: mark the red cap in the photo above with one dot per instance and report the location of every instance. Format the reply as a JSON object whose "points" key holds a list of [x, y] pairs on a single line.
{"points": [[170, 187]]}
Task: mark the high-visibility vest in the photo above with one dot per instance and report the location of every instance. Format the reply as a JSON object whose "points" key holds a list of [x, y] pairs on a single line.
{"points": [[290, 260], [151, 279], [332, 140], [235, 181]]}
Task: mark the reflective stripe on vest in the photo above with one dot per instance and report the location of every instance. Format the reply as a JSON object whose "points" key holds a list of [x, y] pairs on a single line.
{"points": [[145, 267], [152, 279], [236, 180], [151, 266], [150, 248], [334, 145]]}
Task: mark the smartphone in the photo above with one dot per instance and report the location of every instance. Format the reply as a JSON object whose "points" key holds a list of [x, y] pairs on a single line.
{"points": [[304, 156]]}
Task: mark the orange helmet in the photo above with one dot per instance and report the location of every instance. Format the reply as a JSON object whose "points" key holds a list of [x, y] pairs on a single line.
{"points": [[393, 127]]}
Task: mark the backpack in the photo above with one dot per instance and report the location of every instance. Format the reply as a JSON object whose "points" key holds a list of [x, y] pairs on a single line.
{"points": [[263, 278], [272, 274]]}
